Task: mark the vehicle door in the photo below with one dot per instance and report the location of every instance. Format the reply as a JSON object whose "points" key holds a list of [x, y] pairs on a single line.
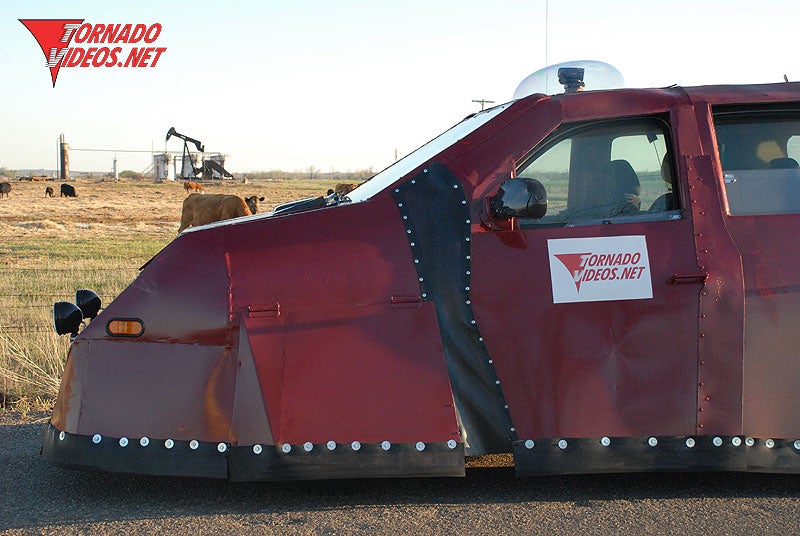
{"points": [[759, 149], [590, 313]]}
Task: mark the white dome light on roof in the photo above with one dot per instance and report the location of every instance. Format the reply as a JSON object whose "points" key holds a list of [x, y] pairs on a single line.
{"points": [[596, 75]]}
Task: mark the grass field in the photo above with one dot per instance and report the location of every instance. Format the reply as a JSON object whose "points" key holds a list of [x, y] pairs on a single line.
{"points": [[53, 246]]}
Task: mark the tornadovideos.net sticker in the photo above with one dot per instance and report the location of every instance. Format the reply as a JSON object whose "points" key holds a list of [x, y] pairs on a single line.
{"points": [[71, 43], [599, 269]]}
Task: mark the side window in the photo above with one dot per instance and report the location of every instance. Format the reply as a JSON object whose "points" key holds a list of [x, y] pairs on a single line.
{"points": [[605, 173], [759, 152]]}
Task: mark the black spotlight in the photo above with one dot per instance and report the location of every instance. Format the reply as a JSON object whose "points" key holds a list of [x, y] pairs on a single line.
{"points": [[67, 318], [89, 302]]}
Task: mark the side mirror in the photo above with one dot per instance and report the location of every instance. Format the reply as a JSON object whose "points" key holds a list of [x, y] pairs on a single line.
{"points": [[519, 198]]}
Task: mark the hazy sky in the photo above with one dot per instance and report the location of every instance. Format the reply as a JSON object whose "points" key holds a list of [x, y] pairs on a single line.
{"points": [[346, 85]]}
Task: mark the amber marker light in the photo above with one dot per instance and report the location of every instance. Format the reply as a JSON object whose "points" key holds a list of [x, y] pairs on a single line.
{"points": [[125, 327]]}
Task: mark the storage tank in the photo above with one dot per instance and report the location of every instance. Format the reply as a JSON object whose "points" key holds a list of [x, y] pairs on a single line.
{"points": [[187, 167], [161, 171]]}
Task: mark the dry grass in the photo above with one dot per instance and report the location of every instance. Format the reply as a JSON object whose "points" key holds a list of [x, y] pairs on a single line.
{"points": [[54, 246]]}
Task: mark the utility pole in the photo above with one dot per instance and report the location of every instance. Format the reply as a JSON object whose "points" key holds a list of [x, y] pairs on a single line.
{"points": [[483, 102]]}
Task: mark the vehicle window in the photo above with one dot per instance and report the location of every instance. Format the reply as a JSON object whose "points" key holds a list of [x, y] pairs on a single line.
{"points": [[759, 153], [605, 173]]}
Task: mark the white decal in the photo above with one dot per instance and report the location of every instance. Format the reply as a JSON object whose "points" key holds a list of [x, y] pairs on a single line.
{"points": [[599, 269]]}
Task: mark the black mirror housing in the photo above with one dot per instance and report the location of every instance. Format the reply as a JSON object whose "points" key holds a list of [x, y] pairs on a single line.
{"points": [[519, 198]]}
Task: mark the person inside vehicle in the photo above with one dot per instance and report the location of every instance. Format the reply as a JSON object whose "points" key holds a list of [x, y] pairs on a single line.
{"points": [[625, 189]]}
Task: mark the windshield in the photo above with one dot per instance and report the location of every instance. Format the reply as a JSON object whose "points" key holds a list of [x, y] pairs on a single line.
{"points": [[415, 159]]}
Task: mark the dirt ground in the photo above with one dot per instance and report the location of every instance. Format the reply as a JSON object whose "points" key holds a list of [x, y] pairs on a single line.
{"points": [[111, 206]]}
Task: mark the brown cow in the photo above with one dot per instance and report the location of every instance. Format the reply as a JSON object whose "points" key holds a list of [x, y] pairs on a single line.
{"points": [[202, 209], [252, 203], [193, 187], [343, 188], [48, 191]]}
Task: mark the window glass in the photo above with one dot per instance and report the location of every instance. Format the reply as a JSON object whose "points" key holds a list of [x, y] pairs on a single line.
{"points": [[604, 173], [759, 153]]}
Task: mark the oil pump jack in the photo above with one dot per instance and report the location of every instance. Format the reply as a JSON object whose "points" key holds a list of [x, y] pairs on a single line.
{"points": [[187, 169], [187, 155]]}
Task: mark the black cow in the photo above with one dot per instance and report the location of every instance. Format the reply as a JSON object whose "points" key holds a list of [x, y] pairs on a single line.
{"points": [[5, 187], [68, 191]]}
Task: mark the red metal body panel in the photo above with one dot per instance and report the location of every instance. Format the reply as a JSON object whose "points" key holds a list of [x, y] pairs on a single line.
{"points": [[770, 256], [620, 368], [336, 362], [326, 314]]}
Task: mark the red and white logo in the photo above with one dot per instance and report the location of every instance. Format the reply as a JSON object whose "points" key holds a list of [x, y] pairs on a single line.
{"points": [[599, 269], [55, 37]]}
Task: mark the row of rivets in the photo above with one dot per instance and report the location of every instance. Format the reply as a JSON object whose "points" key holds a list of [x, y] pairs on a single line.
{"points": [[468, 272], [286, 448], [145, 441], [258, 449], [690, 442], [420, 446]]}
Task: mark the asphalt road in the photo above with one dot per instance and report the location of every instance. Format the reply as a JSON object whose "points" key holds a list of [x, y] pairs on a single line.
{"points": [[36, 498]]}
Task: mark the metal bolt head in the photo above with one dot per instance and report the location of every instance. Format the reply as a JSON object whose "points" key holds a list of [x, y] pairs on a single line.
{"points": [[257, 449], [420, 446], [652, 441], [605, 441], [562, 444], [169, 443], [123, 441], [690, 442], [355, 445], [385, 445], [736, 441], [222, 447], [717, 441], [451, 444], [529, 444], [797, 444], [193, 444], [97, 438], [749, 441], [62, 435], [770, 443], [286, 448], [331, 445], [308, 446], [144, 441]]}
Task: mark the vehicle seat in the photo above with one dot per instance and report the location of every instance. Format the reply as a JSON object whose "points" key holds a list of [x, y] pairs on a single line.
{"points": [[667, 201], [784, 163], [625, 188]]}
